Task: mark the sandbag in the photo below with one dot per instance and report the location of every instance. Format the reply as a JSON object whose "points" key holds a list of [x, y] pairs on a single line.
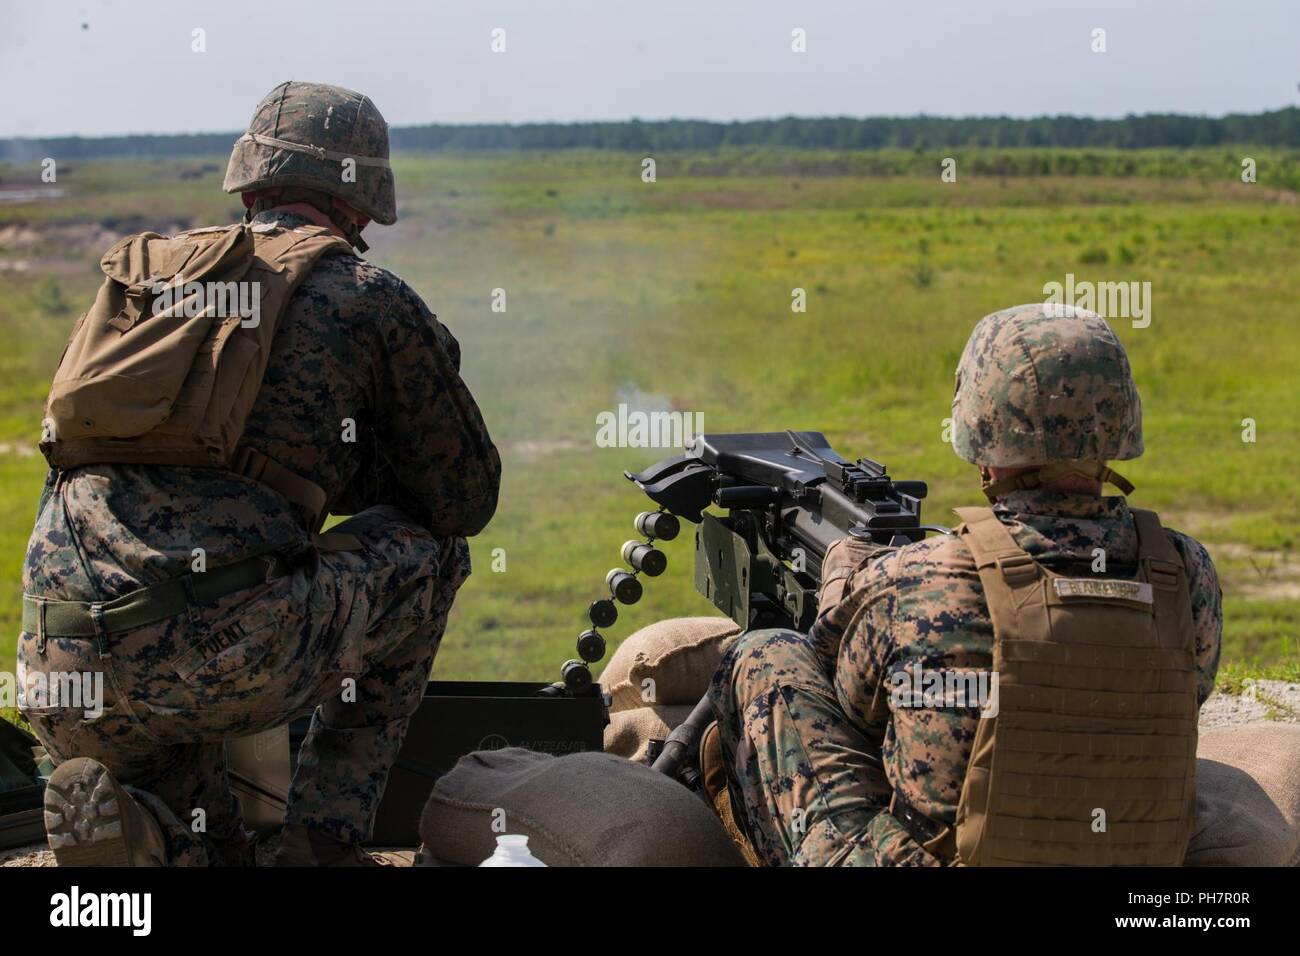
{"points": [[679, 655], [630, 731], [583, 809], [1247, 797]]}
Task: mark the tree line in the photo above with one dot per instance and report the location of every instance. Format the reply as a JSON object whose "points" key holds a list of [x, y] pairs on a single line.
{"points": [[1278, 128]]}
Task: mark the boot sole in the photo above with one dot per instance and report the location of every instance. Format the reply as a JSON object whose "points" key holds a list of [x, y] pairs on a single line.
{"points": [[83, 815]]}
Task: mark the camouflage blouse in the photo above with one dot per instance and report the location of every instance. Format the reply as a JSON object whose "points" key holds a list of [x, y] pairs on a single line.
{"points": [[362, 395], [924, 605]]}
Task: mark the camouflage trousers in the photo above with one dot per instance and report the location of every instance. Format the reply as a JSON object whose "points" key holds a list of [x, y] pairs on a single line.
{"points": [[351, 634], [811, 786]]}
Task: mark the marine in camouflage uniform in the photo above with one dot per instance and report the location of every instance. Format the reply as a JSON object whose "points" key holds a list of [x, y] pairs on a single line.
{"points": [[816, 749], [350, 633]]}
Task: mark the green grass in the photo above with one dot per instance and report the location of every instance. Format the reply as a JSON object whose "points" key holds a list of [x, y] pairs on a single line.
{"points": [[681, 288], [1233, 676]]}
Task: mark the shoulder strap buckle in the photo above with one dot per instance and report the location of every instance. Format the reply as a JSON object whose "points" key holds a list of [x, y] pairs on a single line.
{"points": [[1164, 575], [992, 545], [1017, 569]]}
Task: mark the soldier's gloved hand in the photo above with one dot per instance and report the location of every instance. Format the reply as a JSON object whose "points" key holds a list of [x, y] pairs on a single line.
{"points": [[844, 559]]}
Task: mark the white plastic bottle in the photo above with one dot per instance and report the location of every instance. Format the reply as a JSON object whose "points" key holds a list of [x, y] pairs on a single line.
{"points": [[512, 850]]}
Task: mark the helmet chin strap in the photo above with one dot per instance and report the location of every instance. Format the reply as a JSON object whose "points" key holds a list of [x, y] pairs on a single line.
{"points": [[317, 200], [1046, 474]]}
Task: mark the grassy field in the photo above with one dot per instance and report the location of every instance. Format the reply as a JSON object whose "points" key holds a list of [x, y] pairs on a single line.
{"points": [[677, 293]]}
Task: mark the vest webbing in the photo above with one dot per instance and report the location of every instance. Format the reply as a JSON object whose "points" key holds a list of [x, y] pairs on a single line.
{"points": [[1091, 756], [140, 385]]}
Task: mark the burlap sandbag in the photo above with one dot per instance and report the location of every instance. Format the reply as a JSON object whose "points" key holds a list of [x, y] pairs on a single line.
{"points": [[630, 731], [679, 655], [583, 809], [1247, 797]]}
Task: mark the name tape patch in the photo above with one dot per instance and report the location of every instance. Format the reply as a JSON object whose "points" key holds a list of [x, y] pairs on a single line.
{"points": [[1139, 591]]}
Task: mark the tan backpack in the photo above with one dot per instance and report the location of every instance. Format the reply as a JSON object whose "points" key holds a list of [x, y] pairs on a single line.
{"points": [[165, 367], [1091, 757]]}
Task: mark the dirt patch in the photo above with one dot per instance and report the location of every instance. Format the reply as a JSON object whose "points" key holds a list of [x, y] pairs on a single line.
{"points": [[1258, 573], [39, 855], [1269, 590], [74, 239], [16, 195], [43, 266], [1245, 571], [1239, 190], [724, 199], [27, 856], [533, 449]]}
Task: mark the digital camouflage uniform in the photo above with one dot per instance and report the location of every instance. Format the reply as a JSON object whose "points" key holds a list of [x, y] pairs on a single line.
{"points": [[815, 748], [349, 633]]}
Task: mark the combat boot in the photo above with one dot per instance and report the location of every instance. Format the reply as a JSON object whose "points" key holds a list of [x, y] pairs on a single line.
{"points": [[90, 819], [303, 846]]}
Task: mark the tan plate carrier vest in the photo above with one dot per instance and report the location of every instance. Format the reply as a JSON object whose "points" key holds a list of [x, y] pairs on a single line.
{"points": [[164, 369], [1091, 757]]}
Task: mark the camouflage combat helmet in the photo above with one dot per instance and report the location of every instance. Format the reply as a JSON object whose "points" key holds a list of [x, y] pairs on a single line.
{"points": [[303, 134], [1048, 386]]}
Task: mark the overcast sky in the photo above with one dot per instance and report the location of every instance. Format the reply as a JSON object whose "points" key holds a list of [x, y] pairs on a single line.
{"points": [[96, 67]]}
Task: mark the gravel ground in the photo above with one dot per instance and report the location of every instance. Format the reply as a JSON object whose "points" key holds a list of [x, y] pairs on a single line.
{"points": [[27, 856], [1271, 700], [40, 856]]}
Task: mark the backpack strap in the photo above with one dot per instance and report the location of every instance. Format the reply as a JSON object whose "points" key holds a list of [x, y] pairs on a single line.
{"points": [[308, 495], [275, 252], [274, 243]]}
